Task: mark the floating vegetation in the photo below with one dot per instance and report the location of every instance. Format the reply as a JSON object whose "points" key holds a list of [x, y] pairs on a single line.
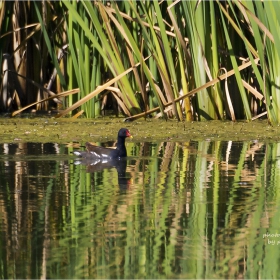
{"points": [[66, 130]]}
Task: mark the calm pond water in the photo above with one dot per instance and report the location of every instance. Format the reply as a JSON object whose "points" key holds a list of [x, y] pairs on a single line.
{"points": [[171, 210]]}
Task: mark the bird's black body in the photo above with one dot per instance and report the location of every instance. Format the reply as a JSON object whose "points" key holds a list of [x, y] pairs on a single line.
{"points": [[102, 153]]}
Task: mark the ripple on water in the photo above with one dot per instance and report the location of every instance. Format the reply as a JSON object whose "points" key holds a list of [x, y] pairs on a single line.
{"points": [[177, 210]]}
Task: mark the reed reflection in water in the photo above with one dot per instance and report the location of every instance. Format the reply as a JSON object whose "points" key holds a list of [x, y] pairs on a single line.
{"points": [[171, 210]]}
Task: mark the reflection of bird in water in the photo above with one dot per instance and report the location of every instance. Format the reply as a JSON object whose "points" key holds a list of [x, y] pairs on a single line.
{"points": [[94, 165], [99, 158]]}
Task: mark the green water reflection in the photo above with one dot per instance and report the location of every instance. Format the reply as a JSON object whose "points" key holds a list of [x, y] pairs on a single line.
{"points": [[172, 210]]}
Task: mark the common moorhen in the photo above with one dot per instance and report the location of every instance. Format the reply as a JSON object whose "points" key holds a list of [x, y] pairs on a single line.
{"points": [[97, 152]]}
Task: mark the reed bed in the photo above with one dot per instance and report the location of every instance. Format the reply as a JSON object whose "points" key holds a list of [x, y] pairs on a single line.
{"points": [[138, 59]]}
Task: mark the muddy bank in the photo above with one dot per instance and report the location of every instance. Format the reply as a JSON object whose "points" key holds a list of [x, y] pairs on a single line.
{"points": [[105, 129]]}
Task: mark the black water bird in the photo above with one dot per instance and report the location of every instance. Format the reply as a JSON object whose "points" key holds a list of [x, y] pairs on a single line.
{"points": [[104, 154]]}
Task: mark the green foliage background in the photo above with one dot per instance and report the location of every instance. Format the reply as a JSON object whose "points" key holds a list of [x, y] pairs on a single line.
{"points": [[164, 59]]}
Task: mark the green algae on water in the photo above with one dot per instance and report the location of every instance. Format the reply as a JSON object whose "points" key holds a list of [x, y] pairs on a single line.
{"points": [[66, 130]]}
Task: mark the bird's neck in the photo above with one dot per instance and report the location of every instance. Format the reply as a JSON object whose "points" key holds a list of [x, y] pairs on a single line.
{"points": [[120, 142]]}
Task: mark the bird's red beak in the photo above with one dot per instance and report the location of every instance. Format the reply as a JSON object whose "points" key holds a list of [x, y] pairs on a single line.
{"points": [[128, 134]]}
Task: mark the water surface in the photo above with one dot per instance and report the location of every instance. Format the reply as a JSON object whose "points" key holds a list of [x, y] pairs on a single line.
{"points": [[171, 210]]}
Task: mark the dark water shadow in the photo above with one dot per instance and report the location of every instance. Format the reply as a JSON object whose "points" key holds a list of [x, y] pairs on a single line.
{"points": [[96, 165]]}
